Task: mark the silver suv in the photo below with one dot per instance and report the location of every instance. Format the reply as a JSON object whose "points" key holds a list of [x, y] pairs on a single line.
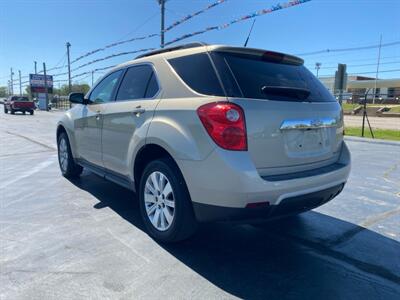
{"points": [[209, 133]]}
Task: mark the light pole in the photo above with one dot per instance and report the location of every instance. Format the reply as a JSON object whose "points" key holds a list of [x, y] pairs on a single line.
{"points": [[69, 67], [12, 81], [317, 67], [20, 83], [377, 68], [162, 6]]}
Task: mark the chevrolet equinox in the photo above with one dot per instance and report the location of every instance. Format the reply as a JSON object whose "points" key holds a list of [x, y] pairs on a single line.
{"points": [[209, 133]]}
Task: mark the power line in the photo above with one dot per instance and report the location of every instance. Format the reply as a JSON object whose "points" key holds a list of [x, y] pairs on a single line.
{"points": [[182, 20], [361, 59], [362, 65], [112, 56], [373, 72], [190, 16], [349, 49], [95, 70], [243, 18]]}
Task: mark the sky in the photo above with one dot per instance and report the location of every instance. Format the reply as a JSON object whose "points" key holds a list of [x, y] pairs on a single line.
{"points": [[37, 30]]}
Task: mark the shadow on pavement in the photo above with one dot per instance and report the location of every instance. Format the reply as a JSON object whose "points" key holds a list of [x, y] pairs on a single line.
{"points": [[309, 256]]}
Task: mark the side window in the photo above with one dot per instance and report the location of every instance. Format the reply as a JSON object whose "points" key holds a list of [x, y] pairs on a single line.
{"points": [[152, 87], [198, 73], [139, 82], [104, 90]]}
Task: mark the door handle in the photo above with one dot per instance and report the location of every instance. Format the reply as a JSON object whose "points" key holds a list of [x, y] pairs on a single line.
{"points": [[138, 110], [98, 113]]}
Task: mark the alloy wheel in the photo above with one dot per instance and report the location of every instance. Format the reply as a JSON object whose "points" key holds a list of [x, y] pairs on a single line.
{"points": [[159, 201], [63, 154]]}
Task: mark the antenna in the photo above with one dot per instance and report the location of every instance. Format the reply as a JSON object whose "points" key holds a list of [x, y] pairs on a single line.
{"points": [[251, 29]]}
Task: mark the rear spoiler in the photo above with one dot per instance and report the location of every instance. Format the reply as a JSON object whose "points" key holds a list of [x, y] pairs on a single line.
{"points": [[264, 55]]}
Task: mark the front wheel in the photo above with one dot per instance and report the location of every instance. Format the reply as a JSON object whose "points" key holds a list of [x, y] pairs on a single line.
{"points": [[165, 204], [68, 167]]}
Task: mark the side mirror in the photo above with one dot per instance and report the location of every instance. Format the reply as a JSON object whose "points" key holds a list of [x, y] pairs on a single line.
{"points": [[77, 98]]}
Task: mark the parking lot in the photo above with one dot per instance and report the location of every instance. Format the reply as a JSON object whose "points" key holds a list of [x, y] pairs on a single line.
{"points": [[84, 238]]}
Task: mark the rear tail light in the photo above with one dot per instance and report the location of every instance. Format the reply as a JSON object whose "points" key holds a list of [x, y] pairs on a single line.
{"points": [[225, 123]]}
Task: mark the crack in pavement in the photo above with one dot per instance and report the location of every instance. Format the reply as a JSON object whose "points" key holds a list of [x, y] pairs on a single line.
{"points": [[348, 235], [326, 251], [31, 140]]}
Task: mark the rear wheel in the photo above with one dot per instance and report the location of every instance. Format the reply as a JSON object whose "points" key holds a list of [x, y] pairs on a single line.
{"points": [[5, 109], [68, 167], [24, 112], [165, 204], [12, 111], [31, 112]]}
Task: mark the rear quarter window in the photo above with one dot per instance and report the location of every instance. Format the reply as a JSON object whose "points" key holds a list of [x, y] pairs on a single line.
{"points": [[198, 73]]}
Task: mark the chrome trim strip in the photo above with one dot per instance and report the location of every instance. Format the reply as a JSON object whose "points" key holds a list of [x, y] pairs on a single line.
{"points": [[309, 123]]}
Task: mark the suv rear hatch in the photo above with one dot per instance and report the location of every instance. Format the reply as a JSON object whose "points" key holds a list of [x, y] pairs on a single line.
{"points": [[293, 123]]}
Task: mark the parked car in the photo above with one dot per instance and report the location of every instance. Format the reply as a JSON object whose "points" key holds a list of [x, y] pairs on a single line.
{"points": [[208, 133], [18, 103]]}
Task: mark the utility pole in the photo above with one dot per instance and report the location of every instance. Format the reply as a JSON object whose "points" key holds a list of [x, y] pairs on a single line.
{"points": [[20, 83], [377, 67], [35, 62], [69, 68], [92, 77], [45, 87], [9, 88], [317, 67], [162, 6], [12, 82]]}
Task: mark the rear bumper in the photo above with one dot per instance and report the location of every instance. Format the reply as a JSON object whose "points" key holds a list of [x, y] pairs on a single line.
{"points": [[288, 206], [229, 179], [22, 108]]}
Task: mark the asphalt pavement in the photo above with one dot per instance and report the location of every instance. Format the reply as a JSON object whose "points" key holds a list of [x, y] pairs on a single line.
{"points": [[392, 123], [84, 239]]}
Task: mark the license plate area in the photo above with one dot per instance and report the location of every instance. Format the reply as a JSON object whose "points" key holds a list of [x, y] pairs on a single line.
{"points": [[308, 142]]}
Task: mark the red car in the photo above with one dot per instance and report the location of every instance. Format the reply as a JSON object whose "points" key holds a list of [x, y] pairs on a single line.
{"points": [[19, 103]]}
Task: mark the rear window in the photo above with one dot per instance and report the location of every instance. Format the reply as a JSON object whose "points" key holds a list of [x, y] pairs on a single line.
{"points": [[198, 73], [260, 78], [16, 98]]}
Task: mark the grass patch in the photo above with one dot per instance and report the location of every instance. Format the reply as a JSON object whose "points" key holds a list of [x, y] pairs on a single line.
{"points": [[349, 106], [395, 109], [384, 134]]}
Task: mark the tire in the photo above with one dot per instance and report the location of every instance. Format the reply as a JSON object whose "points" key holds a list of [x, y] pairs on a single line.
{"points": [[183, 223], [68, 167], [31, 112], [24, 112], [12, 111], [5, 109]]}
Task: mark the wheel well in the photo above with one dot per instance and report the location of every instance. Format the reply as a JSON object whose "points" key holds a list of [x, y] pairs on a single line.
{"points": [[60, 129], [145, 155]]}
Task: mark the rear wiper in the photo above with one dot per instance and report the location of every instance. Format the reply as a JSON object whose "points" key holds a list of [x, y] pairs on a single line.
{"points": [[299, 93]]}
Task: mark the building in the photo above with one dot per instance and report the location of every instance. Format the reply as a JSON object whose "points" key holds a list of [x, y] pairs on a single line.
{"points": [[387, 90]]}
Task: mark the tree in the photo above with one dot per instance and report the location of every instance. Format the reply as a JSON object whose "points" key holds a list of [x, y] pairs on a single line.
{"points": [[3, 91], [75, 88]]}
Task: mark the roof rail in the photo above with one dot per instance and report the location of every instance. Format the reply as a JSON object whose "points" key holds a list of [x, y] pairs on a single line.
{"points": [[170, 49]]}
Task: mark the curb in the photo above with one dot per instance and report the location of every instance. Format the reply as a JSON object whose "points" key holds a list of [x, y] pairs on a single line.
{"points": [[371, 141]]}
